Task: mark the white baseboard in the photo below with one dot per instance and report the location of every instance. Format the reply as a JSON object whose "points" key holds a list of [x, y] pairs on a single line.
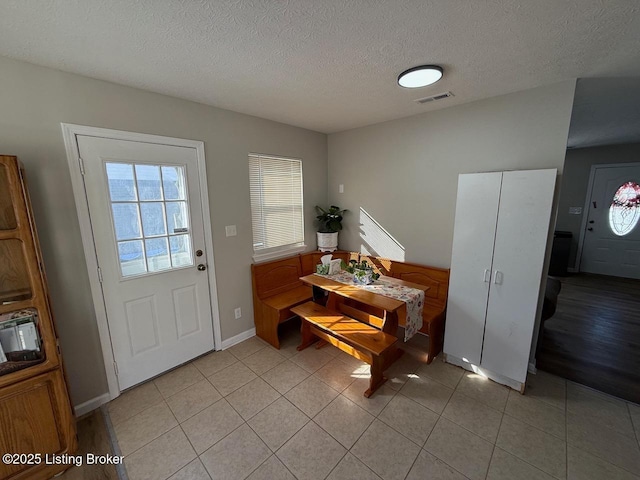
{"points": [[91, 405], [241, 337]]}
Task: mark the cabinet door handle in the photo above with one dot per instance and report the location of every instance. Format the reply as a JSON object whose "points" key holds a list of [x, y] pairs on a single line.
{"points": [[497, 277], [487, 275]]}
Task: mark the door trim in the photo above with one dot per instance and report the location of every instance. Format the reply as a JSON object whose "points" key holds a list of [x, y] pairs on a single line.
{"points": [[69, 133], [587, 201]]}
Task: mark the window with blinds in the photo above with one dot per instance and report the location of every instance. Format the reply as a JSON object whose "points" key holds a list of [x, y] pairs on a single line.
{"points": [[276, 203]]}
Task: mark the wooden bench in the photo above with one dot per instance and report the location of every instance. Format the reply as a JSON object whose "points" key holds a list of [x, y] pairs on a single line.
{"points": [[356, 338], [277, 287], [435, 301]]}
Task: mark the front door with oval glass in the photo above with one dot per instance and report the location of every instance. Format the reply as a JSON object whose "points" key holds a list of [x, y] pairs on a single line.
{"points": [[146, 216], [612, 232]]}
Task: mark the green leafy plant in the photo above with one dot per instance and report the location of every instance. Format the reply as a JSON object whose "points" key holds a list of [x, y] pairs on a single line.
{"points": [[360, 269], [330, 220]]}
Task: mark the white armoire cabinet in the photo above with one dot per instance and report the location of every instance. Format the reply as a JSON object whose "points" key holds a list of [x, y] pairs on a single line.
{"points": [[500, 238]]}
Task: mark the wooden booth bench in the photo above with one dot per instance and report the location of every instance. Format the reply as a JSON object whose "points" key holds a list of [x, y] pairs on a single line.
{"points": [[277, 289]]}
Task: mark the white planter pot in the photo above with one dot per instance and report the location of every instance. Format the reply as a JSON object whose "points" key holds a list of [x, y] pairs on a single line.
{"points": [[327, 242]]}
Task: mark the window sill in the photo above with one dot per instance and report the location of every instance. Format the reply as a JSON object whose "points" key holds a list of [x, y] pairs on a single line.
{"points": [[263, 257]]}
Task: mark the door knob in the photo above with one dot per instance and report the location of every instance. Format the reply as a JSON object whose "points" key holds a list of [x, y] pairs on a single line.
{"points": [[590, 229], [202, 267]]}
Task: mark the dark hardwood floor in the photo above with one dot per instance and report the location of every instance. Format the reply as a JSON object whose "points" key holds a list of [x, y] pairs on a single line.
{"points": [[92, 438], [594, 336]]}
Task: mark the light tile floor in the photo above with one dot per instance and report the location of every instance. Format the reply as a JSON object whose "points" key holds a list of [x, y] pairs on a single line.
{"points": [[259, 413]]}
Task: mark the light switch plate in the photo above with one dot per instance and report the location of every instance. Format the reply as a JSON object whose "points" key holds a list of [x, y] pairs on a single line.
{"points": [[341, 188], [230, 230], [237, 312]]}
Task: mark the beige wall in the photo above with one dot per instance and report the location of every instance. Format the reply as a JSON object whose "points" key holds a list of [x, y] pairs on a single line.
{"points": [[35, 100], [573, 193], [404, 173]]}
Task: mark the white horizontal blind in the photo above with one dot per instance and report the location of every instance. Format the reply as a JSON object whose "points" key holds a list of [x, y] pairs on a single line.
{"points": [[276, 202]]}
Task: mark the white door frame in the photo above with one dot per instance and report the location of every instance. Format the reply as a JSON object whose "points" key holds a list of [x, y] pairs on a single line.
{"points": [[587, 201], [69, 132]]}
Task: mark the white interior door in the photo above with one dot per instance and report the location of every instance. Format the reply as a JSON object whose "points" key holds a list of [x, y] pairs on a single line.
{"points": [[612, 236], [146, 216], [522, 232], [474, 234]]}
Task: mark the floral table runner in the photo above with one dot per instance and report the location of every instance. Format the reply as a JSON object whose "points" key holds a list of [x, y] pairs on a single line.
{"points": [[413, 297]]}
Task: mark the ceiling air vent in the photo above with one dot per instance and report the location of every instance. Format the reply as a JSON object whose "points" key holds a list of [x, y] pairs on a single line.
{"points": [[433, 98]]}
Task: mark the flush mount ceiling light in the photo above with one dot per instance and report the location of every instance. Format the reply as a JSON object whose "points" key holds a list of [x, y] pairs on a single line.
{"points": [[420, 76]]}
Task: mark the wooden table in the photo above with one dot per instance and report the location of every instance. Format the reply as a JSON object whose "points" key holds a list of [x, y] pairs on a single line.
{"points": [[363, 304], [383, 312]]}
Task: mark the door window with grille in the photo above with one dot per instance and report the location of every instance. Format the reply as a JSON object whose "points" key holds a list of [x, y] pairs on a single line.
{"points": [[150, 217]]}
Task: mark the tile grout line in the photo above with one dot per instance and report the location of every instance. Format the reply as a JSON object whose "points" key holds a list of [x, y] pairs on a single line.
{"points": [[347, 450], [495, 444], [354, 443], [480, 402], [121, 469], [183, 432], [211, 446], [274, 452], [633, 425], [422, 447], [140, 412], [375, 416], [244, 422], [179, 424], [263, 442], [429, 436], [472, 432], [154, 438], [566, 430], [194, 451], [539, 430], [310, 419]]}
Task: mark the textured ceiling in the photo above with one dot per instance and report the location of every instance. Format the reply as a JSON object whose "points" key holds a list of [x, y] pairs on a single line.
{"points": [[606, 111], [327, 65]]}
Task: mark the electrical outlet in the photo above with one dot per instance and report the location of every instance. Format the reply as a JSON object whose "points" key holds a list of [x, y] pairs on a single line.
{"points": [[237, 312], [230, 230]]}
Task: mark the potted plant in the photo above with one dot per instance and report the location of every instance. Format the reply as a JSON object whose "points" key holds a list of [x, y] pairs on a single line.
{"points": [[362, 272], [330, 224]]}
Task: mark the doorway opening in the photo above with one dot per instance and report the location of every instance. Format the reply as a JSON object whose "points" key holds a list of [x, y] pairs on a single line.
{"points": [[593, 337]]}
